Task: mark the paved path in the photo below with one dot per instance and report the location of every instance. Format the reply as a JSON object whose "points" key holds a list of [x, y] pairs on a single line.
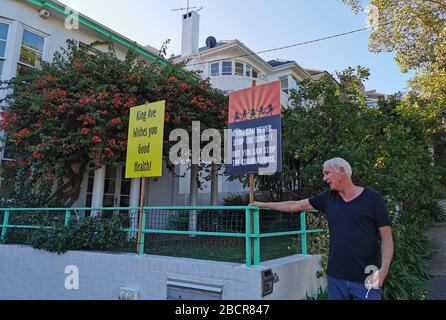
{"points": [[437, 266]]}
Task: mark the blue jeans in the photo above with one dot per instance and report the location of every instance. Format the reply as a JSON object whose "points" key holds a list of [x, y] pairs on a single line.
{"points": [[339, 289]]}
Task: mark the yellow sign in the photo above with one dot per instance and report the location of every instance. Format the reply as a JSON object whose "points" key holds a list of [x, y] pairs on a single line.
{"points": [[145, 141]]}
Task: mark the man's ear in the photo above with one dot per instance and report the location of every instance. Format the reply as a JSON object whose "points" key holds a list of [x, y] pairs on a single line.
{"points": [[342, 170]]}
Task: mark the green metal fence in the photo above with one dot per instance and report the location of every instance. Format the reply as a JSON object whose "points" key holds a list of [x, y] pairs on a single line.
{"points": [[247, 227]]}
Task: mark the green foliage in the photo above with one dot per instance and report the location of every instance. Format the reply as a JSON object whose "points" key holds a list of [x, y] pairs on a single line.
{"points": [[101, 233], [415, 30], [321, 295]]}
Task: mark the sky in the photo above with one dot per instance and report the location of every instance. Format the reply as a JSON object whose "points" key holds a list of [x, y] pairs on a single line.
{"points": [[260, 25]]}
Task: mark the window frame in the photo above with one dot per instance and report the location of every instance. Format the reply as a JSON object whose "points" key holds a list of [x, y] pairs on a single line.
{"points": [[4, 57], [21, 45], [287, 89], [223, 73], [257, 73], [218, 69], [248, 70], [242, 74]]}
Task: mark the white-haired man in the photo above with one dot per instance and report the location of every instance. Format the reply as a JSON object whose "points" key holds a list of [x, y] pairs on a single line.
{"points": [[360, 233]]}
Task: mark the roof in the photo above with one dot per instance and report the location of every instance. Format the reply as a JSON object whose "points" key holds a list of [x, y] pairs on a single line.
{"points": [[279, 62], [96, 27], [314, 72], [219, 44]]}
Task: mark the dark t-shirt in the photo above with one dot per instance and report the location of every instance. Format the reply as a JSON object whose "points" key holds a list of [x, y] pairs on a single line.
{"points": [[354, 234]]}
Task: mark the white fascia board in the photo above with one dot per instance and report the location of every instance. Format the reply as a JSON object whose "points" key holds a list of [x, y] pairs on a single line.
{"points": [[293, 67]]}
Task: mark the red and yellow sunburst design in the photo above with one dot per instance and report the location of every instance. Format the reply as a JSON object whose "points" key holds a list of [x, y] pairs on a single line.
{"points": [[254, 103]]}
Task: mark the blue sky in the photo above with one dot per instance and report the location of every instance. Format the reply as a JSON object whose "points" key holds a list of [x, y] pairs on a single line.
{"points": [[261, 25]]}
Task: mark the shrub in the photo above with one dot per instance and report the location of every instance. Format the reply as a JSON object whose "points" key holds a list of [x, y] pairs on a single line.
{"points": [[100, 233]]}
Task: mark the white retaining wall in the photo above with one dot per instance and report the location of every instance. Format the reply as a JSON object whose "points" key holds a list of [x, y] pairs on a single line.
{"points": [[31, 274]]}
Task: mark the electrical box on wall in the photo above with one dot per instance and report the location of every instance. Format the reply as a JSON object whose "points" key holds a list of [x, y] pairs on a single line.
{"points": [[179, 289], [267, 282]]}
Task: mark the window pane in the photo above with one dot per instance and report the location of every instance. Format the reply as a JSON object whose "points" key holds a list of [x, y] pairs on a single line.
{"points": [[283, 84], [90, 184], [110, 172], [254, 73], [248, 70], [109, 186], [30, 57], [23, 70], [215, 69], [1, 67], [109, 201], [32, 40], [125, 187], [239, 69], [124, 202], [89, 200], [227, 68], [8, 154], [3, 31], [2, 48]]}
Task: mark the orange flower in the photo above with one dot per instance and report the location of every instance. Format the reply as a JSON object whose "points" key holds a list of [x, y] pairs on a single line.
{"points": [[171, 78], [96, 139], [116, 121]]}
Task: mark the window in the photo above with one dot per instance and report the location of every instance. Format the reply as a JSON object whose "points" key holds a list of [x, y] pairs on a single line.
{"points": [[284, 85], [31, 52], [3, 37], [215, 69], [294, 83], [255, 74], [248, 70], [227, 68], [239, 69]]}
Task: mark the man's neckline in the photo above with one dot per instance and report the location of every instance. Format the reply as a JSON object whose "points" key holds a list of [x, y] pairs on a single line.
{"points": [[358, 196]]}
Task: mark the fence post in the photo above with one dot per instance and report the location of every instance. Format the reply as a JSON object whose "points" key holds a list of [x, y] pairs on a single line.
{"points": [[5, 223], [143, 234], [248, 236], [257, 238], [67, 217], [303, 229]]}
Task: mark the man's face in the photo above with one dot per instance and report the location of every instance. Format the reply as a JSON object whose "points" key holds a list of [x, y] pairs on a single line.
{"points": [[333, 177]]}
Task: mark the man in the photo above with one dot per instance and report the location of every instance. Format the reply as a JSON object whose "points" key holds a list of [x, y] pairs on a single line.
{"points": [[360, 233]]}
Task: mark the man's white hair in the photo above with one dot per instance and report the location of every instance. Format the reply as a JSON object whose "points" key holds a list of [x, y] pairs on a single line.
{"points": [[339, 163]]}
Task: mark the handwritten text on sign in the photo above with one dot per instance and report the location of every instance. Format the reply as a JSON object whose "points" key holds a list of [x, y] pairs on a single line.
{"points": [[145, 141]]}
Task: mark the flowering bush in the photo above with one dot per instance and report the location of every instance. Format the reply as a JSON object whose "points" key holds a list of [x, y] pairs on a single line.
{"points": [[74, 112]]}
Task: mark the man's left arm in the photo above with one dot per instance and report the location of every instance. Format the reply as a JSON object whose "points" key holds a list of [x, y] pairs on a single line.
{"points": [[386, 252]]}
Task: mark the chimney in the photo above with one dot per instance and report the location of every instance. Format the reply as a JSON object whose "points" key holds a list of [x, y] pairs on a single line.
{"points": [[191, 30]]}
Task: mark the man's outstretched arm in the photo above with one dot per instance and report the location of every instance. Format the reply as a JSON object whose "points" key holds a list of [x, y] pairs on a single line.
{"points": [[289, 206]]}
